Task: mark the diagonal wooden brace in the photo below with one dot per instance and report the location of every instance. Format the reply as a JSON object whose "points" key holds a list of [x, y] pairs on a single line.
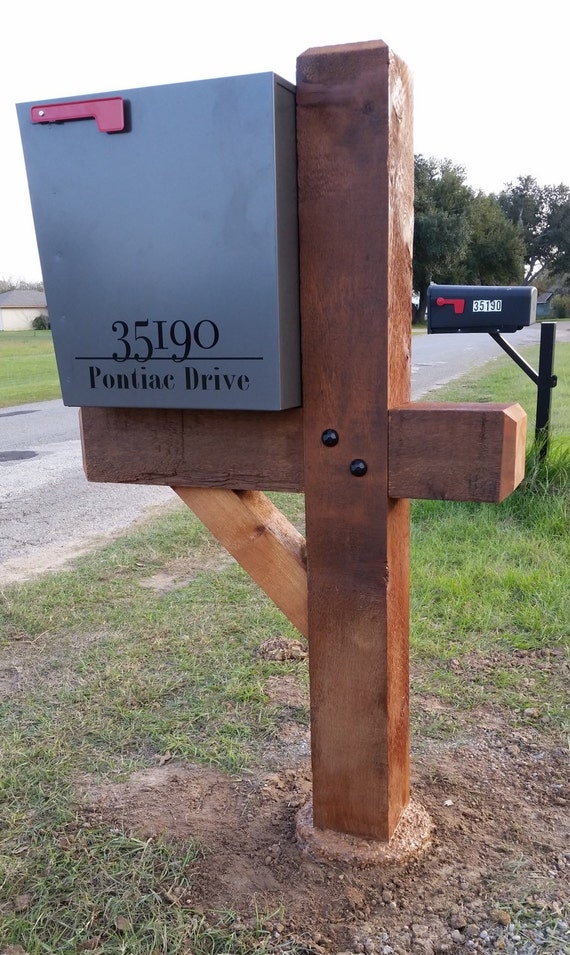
{"points": [[453, 452], [437, 451], [261, 539]]}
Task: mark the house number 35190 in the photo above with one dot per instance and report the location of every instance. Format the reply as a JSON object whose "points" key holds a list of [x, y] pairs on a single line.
{"points": [[145, 339]]}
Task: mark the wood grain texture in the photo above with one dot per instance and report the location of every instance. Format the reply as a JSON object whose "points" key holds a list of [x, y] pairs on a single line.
{"points": [[261, 539], [355, 167], [456, 452], [265, 450], [234, 449]]}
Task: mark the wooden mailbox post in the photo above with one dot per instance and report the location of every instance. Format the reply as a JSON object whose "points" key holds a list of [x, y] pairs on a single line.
{"points": [[357, 448]]}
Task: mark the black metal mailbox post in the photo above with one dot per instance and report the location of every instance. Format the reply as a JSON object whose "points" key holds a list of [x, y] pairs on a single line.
{"points": [[497, 310]]}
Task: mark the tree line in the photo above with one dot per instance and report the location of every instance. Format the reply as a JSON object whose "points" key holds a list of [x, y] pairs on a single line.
{"points": [[463, 237], [8, 285]]}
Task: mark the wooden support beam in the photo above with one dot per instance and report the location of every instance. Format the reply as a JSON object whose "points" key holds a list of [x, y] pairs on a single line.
{"points": [[430, 448], [261, 539], [456, 452], [355, 171], [233, 449]]}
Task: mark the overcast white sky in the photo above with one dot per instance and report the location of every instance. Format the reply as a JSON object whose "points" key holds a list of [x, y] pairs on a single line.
{"points": [[490, 77]]}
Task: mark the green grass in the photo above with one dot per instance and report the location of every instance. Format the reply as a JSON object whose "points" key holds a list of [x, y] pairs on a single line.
{"points": [[27, 368], [115, 674], [91, 890], [490, 583], [501, 380]]}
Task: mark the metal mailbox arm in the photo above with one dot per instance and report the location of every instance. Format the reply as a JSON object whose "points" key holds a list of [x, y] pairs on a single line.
{"points": [[544, 379]]}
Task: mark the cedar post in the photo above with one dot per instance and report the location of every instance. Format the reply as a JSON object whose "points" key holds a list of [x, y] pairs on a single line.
{"points": [[355, 171], [357, 447]]}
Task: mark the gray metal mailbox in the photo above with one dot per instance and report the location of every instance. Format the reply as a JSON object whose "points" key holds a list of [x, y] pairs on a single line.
{"points": [[166, 221], [480, 308]]}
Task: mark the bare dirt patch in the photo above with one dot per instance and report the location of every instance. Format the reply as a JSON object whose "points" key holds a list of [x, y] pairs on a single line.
{"points": [[286, 691], [44, 560], [495, 877], [179, 573]]}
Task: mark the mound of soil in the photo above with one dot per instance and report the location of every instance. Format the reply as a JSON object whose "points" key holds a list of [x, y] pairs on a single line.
{"points": [[495, 876]]}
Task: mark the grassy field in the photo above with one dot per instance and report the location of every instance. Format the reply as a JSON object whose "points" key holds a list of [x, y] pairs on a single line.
{"points": [[486, 578], [106, 672], [27, 368], [501, 380]]}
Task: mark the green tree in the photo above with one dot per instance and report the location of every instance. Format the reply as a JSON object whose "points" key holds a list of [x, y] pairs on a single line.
{"points": [[496, 250], [462, 238], [560, 236], [441, 230], [542, 214]]}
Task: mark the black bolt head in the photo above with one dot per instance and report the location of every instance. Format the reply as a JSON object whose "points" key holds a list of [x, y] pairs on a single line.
{"points": [[358, 467], [329, 437]]}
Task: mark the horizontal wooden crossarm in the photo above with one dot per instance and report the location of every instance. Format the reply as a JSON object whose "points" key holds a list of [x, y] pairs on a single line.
{"points": [[261, 539], [456, 452], [233, 449]]}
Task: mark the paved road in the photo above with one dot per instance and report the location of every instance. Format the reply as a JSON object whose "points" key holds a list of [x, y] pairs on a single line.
{"points": [[437, 359], [49, 512]]}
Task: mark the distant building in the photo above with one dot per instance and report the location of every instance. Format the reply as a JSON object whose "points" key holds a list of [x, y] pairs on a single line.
{"points": [[19, 307], [543, 304]]}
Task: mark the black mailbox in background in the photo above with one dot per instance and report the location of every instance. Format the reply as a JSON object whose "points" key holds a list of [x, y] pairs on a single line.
{"points": [[480, 308]]}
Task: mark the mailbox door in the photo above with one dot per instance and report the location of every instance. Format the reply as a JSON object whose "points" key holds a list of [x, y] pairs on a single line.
{"points": [[169, 248]]}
